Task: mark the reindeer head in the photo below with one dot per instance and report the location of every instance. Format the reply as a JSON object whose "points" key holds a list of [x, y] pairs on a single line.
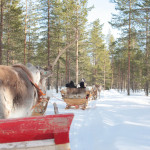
{"points": [[44, 74], [39, 75]]}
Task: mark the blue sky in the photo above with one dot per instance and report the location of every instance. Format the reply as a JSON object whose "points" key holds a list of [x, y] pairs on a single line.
{"points": [[102, 10]]}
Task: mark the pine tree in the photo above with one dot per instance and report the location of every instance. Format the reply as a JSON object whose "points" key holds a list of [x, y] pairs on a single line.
{"points": [[125, 20], [13, 35], [1, 28], [143, 35], [100, 57], [74, 18], [32, 32], [111, 48]]}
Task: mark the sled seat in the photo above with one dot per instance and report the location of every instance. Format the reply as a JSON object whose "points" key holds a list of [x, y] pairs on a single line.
{"points": [[49, 132]]}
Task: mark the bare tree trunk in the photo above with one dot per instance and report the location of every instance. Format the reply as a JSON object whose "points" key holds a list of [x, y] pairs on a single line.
{"points": [[13, 61], [118, 78], [29, 48], [125, 84], [8, 50], [1, 32], [7, 57], [77, 47], [25, 42], [77, 57], [112, 75], [124, 81], [57, 78], [132, 78], [48, 15], [66, 66], [147, 56], [96, 71], [104, 74], [48, 32], [60, 78], [29, 44], [69, 77], [129, 47]]}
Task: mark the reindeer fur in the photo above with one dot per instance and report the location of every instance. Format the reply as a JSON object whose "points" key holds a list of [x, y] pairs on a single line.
{"points": [[17, 93]]}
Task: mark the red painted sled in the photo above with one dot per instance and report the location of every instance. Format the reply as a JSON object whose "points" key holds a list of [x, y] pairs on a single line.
{"points": [[49, 132]]}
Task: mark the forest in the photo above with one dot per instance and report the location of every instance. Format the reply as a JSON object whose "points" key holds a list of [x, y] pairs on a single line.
{"points": [[56, 34]]}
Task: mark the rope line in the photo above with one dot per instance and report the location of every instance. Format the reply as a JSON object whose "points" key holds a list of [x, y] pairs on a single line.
{"points": [[58, 98]]}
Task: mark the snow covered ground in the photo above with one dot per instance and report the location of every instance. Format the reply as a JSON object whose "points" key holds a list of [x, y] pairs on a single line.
{"points": [[113, 122]]}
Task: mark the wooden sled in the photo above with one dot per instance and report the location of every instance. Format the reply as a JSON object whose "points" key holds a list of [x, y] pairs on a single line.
{"points": [[75, 97], [40, 108], [49, 132]]}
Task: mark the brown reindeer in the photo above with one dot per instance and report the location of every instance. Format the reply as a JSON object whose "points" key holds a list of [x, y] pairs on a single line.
{"points": [[96, 90], [18, 93], [94, 93]]}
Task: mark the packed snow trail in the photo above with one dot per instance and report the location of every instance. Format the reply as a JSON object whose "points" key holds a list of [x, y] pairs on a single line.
{"points": [[113, 122]]}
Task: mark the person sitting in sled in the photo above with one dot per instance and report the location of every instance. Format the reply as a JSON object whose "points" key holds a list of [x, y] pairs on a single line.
{"points": [[71, 85], [82, 83]]}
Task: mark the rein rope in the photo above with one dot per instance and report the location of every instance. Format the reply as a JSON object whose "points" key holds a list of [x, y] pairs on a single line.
{"points": [[58, 98], [40, 94]]}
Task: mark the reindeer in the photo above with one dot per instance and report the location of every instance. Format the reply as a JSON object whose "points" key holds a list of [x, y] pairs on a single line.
{"points": [[94, 93], [99, 88], [19, 90], [96, 90]]}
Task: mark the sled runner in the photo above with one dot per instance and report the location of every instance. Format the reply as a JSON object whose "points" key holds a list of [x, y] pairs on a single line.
{"points": [[49, 132], [76, 97]]}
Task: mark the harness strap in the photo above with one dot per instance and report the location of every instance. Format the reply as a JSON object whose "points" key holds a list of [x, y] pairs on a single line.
{"points": [[40, 93]]}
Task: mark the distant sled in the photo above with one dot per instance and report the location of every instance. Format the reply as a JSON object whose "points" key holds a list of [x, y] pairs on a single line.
{"points": [[77, 97]]}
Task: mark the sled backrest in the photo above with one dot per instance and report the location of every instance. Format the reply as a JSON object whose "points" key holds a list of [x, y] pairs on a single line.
{"points": [[36, 128], [75, 93]]}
